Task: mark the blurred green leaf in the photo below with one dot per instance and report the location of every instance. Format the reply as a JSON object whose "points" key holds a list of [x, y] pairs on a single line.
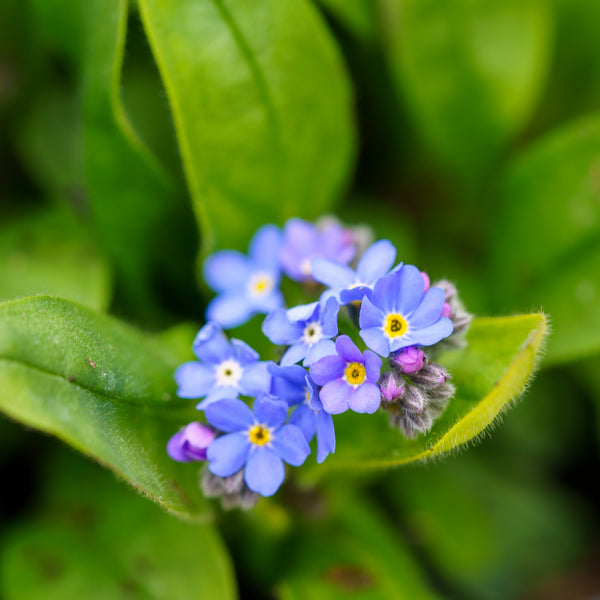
{"points": [[49, 252], [260, 138], [545, 245], [355, 555], [102, 387], [471, 72], [489, 373], [480, 523], [358, 16], [96, 540]]}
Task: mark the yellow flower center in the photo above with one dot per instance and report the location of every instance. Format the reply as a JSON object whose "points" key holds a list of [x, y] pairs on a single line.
{"points": [[259, 435], [355, 373], [260, 285], [395, 326]]}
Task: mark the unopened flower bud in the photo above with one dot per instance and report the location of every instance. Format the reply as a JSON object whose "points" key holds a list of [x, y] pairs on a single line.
{"points": [[411, 424], [431, 376], [191, 442], [408, 360], [232, 490], [449, 289], [426, 281], [391, 386], [447, 310], [413, 400], [441, 395]]}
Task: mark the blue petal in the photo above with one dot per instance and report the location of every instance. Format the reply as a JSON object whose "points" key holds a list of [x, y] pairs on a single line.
{"points": [[365, 398], [411, 287], [429, 310], [304, 418], [291, 445], [327, 368], [329, 317], [372, 366], [219, 392], [269, 411], [264, 247], [356, 294], [268, 303], [226, 271], [376, 261], [243, 353], [255, 380], [229, 310], [294, 354], [279, 330], [229, 415], [386, 292], [264, 472], [376, 340], [318, 351], [334, 396], [332, 273], [294, 374], [325, 435], [347, 349], [211, 344], [370, 315], [227, 454], [194, 380], [302, 312], [434, 333]]}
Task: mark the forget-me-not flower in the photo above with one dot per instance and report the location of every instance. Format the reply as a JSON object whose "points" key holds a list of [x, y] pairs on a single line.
{"points": [[400, 313], [349, 379], [225, 369], [246, 285], [257, 442]]}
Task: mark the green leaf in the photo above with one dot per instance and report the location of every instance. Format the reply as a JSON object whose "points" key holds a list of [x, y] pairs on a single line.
{"points": [[49, 252], [471, 72], [357, 555], [489, 373], [96, 540], [358, 16], [545, 246], [262, 108], [100, 386]]}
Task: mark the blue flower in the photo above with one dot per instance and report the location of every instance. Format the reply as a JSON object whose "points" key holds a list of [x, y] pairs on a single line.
{"points": [[303, 241], [307, 329], [294, 385], [246, 285], [400, 313], [348, 285], [224, 370], [349, 379], [257, 442]]}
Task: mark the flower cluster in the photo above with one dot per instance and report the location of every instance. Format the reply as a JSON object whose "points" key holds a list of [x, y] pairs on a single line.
{"points": [[398, 318]]}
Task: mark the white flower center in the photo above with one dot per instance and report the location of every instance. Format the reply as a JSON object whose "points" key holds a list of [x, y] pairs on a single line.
{"points": [[229, 372], [312, 333], [260, 285], [305, 267]]}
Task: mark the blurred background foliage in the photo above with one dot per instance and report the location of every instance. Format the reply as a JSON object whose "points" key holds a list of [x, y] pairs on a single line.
{"points": [[465, 131]]}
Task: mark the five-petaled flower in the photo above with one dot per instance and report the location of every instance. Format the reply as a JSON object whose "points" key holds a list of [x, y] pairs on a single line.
{"points": [[257, 442]]}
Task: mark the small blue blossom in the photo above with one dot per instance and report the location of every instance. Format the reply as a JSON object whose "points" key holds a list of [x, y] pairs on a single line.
{"points": [[225, 369], [400, 313], [257, 442], [294, 385], [348, 285], [303, 241], [246, 285], [349, 379], [307, 330]]}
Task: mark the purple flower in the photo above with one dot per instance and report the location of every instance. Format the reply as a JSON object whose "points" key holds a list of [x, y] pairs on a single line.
{"points": [[294, 385], [303, 241], [348, 285], [408, 360], [191, 442], [349, 379], [400, 313], [224, 370], [257, 442], [246, 285], [306, 329]]}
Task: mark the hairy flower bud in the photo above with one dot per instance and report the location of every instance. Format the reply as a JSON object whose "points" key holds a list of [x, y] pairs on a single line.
{"points": [[411, 424], [391, 386], [232, 490], [431, 376], [441, 395], [414, 399], [408, 360]]}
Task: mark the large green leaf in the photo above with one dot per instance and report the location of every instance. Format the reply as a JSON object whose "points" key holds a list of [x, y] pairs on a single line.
{"points": [[545, 244], [261, 103], [49, 252], [95, 540], [101, 386], [357, 555], [489, 373], [470, 71]]}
